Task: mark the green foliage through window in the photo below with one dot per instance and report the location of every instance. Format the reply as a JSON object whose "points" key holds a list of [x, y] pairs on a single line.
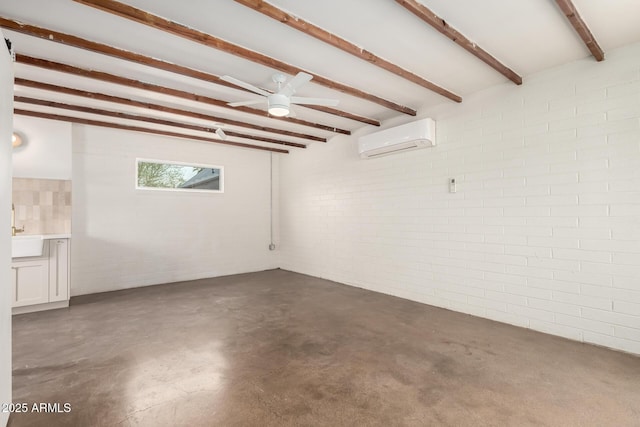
{"points": [[161, 175]]}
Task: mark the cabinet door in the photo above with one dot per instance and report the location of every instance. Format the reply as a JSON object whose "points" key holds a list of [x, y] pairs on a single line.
{"points": [[30, 282], [58, 270]]}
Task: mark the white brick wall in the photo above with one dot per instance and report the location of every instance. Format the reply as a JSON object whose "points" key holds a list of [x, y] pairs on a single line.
{"points": [[544, 231], [124, 238]]}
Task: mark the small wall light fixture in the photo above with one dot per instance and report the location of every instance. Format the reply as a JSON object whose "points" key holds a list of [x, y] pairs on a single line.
{"points": [[16, 140]]}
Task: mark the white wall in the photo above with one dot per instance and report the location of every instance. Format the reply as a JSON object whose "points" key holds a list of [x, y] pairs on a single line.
{"points": [[6, 115], [125, 238], [544, 231], [46, 149]]}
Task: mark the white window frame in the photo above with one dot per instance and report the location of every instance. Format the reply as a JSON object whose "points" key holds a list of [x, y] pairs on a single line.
{"points": [[182, 190]]}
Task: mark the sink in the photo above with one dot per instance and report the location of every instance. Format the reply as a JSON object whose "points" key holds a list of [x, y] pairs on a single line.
{"points": [[25, 246]]}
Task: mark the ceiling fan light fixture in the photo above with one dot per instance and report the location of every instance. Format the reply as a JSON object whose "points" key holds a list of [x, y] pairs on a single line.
{"points": [[278, 111], [278, 105]]}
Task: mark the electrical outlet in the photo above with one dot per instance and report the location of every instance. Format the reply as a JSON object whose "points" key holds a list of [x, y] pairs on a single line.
{"points": [[452, 185]]}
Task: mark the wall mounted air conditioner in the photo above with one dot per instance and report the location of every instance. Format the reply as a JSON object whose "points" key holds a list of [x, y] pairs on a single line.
{"points": [[410, 136]]}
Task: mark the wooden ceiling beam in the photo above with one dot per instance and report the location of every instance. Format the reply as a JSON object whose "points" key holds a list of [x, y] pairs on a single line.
{"points": [[124, 81], [70, 119], [570, 11], [77, 42], [335, 112], [73, 41], [135, 117], [425, 14], [155, 107], [157, 22], [344, 45]]}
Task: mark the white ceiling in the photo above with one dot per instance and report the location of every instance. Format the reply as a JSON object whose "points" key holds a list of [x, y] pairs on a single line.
{"points": [[526, 35]]}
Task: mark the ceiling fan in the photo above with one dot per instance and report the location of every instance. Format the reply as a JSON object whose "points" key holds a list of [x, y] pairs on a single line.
{"points": [[279, 102]]}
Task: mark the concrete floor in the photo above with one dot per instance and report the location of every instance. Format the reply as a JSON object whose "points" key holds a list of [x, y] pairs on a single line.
{"points": [[282, 349]]}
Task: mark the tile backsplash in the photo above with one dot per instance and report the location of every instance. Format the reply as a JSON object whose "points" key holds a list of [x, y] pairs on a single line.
{"points": [[43, 206]]}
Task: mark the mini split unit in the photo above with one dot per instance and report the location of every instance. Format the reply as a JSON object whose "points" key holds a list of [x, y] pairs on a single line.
{"points": [[410, 136]]}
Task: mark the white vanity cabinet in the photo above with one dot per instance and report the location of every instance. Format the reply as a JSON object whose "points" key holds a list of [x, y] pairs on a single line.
{"points": [[30, 281], [58, 270], [42, 283]]}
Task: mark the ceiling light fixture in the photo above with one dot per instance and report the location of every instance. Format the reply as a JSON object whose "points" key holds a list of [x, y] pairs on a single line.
{"points": [[16, 140], [221, 134], [278, 104]]}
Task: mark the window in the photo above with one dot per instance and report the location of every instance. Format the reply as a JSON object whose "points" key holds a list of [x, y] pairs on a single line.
{"points": [[176, 176]]}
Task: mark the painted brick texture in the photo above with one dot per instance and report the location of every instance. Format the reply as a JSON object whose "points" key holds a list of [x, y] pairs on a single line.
{"points": [[543, 231], [125, 238]]}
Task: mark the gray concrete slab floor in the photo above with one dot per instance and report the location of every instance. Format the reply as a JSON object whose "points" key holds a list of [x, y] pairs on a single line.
{"points": [[277, 348]]}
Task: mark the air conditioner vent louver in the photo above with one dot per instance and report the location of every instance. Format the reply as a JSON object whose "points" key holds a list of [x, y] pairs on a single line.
{"points": [[410, 136]]}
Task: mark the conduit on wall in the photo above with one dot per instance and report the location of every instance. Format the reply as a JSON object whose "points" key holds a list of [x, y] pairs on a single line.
{"points": [[272, 245]]}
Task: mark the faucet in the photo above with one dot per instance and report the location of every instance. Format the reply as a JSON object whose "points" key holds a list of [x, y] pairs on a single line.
{"points": [[14, 230]]}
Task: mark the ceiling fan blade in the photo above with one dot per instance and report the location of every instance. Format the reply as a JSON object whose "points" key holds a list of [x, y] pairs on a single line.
{"points": [[243, 103], [326, 102], [293, 84], [245, 85]]}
